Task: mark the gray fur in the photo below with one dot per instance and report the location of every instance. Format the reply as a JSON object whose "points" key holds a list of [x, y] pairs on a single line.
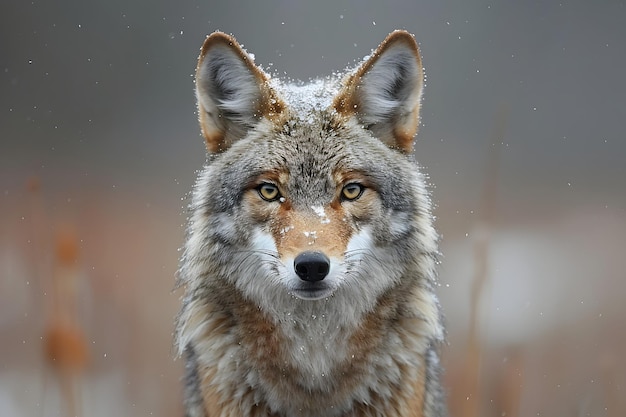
{"points": [[237, 282]]}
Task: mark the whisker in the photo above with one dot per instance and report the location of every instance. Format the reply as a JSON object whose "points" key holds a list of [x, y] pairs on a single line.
{"points": [[356, 252], [265, 257], [265, 252]]}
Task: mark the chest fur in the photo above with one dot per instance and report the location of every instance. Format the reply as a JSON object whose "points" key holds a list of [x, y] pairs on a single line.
{"points": [[311, 365]]}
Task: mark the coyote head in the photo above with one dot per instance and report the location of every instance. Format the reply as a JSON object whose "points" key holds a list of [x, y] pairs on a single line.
{"points": [[310, 191]]}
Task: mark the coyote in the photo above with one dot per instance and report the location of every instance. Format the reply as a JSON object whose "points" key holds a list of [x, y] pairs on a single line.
{"points": [[309, 262]]}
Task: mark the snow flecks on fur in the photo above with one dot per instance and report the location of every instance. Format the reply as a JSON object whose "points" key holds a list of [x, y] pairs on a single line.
{"points": [[321, 213], [265, 340], [286, 229], [311, 235], [305, 101]]}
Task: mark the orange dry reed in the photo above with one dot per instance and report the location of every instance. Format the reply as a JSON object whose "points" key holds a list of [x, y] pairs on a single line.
{"points": [[65, 345], [67, 248]]}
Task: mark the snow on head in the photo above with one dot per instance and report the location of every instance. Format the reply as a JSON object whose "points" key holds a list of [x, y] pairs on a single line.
{"points": [[308, 99], [319, 210]]}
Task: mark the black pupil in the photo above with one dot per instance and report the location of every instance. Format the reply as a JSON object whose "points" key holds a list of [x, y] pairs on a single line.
{"points": [[269, 191], [352, 190]]}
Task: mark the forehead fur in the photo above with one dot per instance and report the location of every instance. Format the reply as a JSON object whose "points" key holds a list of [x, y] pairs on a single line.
{"points": [[313, 152], [314, 144]]}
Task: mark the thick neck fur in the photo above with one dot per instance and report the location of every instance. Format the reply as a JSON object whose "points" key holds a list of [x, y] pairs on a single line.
{"points": [[255, 365]]}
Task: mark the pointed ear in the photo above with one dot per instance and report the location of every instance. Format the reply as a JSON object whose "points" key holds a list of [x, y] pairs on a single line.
{"points": [[233, 93], [384, 93]]}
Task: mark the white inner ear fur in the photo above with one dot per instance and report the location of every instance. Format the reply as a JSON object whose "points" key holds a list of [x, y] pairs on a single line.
{"points": [[226, 87], [391, 87]]}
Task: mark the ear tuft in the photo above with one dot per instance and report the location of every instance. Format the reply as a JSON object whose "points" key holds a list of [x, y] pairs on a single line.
{"points": [[384, 93], [233, 93]]}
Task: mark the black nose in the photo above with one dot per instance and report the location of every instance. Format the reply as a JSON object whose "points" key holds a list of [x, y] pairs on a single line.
{"points": [[312, 266]]}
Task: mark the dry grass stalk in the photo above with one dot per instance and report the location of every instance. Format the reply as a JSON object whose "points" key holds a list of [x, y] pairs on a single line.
{"points": [[471, 384], [38, 235], [65, 346], [509, 389]]}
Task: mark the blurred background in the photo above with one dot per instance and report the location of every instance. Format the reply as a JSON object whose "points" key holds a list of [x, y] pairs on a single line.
{"points": [[522, 137]]}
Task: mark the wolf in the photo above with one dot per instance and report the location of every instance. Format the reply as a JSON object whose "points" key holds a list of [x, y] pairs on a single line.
{"points": [[309, 264]]}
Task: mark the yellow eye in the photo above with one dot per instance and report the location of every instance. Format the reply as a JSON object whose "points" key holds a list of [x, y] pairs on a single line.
{"points": [[352, 191], [268, 192]]}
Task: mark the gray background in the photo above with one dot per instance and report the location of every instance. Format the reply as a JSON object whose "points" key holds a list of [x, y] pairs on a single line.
{"points": [[97, 106]]}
